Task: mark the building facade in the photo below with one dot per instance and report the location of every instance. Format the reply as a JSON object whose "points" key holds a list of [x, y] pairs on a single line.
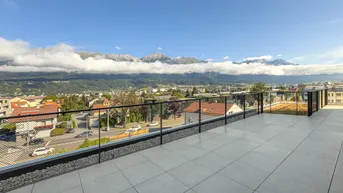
{"points": [[335, 96], [5, 107], [208, 111]]}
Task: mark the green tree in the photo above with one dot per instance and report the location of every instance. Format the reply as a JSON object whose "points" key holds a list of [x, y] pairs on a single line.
{"points": [[107, 96], [50, 97], [125, 98], [258, 87], [195, 91]]}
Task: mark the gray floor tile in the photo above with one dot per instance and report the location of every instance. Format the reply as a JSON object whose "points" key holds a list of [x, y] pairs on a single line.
{"points": [[245, 174], [190, 191], [25, 189], [154, 152], [220, 184], [169, 161], [213, 161], [164, 183], [191, 173], [277, 184], [58, 184], [175, 145], [337, 186], [191, 152], [130, 190], [77, 189], [208, 135], [191, 139], [112, 183], [93, 172], [129, 160], [142, 172], [207, 145], [262, 161]]}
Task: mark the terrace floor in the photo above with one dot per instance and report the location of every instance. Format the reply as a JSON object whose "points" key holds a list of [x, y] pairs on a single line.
{"points": [[263, 154]]}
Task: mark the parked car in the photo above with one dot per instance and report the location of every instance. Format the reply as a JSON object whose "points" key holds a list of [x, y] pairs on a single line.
{"points": [[84, 134], [42, 151], [154, 123], [71, 130], [132, 129], [35, 141], [7, 137]]}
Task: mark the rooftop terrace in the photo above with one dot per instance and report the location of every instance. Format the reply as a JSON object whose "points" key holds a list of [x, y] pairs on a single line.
{"points": [[265, 153]]}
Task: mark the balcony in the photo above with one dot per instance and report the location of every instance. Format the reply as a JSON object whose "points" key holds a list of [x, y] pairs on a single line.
{"points": [[264, 153]]}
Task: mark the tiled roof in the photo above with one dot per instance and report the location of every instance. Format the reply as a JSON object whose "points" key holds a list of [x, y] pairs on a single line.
{"points": [[18, 104], [207, 108], [23, 111]]}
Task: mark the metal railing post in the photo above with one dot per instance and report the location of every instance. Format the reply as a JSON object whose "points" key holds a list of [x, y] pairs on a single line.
{"points": [[244, 106], [270, 103], [296, 102], [161, 135], [99, 125], [317, 100], [261, 102], [225, 111], [199, 115], [309, 104], [258, 103], [326, 97]]}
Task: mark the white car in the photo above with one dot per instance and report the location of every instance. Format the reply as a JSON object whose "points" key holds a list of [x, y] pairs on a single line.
{"points": [[155, 123], [132, 129], [42, 151]]}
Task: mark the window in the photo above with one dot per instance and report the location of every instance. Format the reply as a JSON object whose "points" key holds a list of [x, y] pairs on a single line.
{"points": [[339, 94], [338, 101]]}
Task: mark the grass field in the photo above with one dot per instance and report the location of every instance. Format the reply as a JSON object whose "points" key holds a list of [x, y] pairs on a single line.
{"points": [[287, 108]]}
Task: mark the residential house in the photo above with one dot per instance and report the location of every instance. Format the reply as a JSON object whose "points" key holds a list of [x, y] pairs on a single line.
{"points": [[335, 95], [209, 110], [106, 103], [93, 119], [37, 126], [49, 103], [5, 107], [34, 99]]}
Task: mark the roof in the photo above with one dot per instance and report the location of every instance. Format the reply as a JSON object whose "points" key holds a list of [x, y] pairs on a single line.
{"points": [[99, 106], [33, 97], [23, 111], [51, 103], [18, 104], [208, 108]]}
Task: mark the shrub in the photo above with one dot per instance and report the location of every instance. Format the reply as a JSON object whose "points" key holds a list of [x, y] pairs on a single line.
{"points": [[63, 125], [89, 143], [57, 131], [74, 124]]}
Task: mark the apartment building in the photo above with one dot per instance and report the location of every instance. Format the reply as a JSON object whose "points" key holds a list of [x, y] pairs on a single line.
{"points": [[335, 95], [5, 107]]}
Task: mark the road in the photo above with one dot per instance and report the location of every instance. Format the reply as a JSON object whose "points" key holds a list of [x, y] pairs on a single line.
{"points": [[21, 153]]}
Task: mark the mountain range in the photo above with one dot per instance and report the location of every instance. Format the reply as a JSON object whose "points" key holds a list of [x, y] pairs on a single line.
{"points": [[176, 60]]}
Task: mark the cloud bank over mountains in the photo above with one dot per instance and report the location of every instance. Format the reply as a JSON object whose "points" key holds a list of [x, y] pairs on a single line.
{"points": [[18, 56]]}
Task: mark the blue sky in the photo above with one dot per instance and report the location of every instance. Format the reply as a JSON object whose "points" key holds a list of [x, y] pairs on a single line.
{"points": [[308, 30]]}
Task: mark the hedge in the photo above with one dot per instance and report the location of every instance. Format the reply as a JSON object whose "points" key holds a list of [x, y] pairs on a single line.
{"points": [[57, 131], [88, 143]]}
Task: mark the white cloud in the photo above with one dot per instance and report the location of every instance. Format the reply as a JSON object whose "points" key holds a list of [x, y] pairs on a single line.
{"points": [[334, 54], [267, 57], [159, 48], [209, 59], [279, 55], [62, 57], [296, 59], [118, 48], [226, 57]]}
